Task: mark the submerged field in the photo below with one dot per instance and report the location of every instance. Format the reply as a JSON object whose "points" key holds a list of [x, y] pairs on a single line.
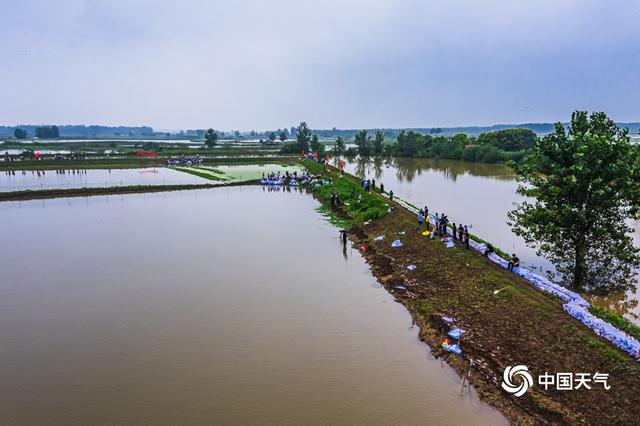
{"points": [[185, 308]]}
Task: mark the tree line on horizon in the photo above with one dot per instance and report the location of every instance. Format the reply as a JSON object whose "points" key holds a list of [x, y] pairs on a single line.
{"points": [[491, 147]]}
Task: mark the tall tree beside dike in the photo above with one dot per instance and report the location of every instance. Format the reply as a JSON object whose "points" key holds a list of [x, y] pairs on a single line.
{"points": [[583, 190]]}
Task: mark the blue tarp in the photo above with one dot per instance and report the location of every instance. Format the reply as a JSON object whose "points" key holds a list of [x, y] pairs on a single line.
{"points": [[448, 320], [452, 348], [411, 267], [271, 181], [448, 242], [456, 333], [604, 329], [396, 243], [379, 238]]}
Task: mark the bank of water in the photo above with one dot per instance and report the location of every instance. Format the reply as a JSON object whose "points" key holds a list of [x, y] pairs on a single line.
{"points": [[224, 306], [33, 180], [478, 195]]}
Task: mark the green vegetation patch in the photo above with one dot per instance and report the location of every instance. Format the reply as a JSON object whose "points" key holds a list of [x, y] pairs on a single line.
{"points": [[357, 204], [616, 320]]}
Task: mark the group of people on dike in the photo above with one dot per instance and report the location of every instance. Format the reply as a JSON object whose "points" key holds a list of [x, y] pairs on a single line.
{"points": [[287, 178], [185, 160], [514, 261], [441, 224], [459, 232], [370, 184], [71, 172]]}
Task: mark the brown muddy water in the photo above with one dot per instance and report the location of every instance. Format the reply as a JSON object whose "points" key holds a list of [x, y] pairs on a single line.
{"points": [[230, 306], [480, 196]]}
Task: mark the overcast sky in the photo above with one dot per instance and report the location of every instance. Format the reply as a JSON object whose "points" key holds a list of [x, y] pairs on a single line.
{"points": [[250, 64]]}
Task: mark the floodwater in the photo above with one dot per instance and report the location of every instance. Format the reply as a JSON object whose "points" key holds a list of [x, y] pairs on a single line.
{"points": [[231, 306], [478, 195], [64, 179]]}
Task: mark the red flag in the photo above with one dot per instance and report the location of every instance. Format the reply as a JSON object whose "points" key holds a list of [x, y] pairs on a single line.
{"points": [[37, 154], [341, 164], [315, 155]]}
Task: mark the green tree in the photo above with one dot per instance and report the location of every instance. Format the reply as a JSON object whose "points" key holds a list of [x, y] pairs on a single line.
{"points": [[363, 142], [210, 138], [583, 187], [316, 145], [303, 137], [44, 132], [20, 133], [272, 137], [378, 143], [409, 143], [340, 146], [469, 154], [509, 139], [488, 154], [283, 136]]}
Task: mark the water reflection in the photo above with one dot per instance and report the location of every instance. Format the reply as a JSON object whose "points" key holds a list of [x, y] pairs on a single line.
{"points": [[407, 169]]}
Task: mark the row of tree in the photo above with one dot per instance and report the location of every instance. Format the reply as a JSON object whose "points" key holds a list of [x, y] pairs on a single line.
{"points": [[42, 132], [510, 144], [492, 147], [211, 137]]}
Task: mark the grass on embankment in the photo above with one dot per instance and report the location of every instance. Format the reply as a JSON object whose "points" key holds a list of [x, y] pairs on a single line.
{"points": [[616, 320], [358, 205]]}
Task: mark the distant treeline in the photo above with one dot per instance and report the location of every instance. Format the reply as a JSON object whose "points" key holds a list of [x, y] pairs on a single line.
{"points": [[96, 131], [491, 147], [80, 131]]}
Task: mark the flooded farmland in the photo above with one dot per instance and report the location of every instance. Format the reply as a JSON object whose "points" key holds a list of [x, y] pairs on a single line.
{"points": [[19, 180], [224, 306]]}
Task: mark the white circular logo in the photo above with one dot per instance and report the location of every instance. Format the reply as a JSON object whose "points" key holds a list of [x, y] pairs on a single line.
{"points": [[525, 379]]}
